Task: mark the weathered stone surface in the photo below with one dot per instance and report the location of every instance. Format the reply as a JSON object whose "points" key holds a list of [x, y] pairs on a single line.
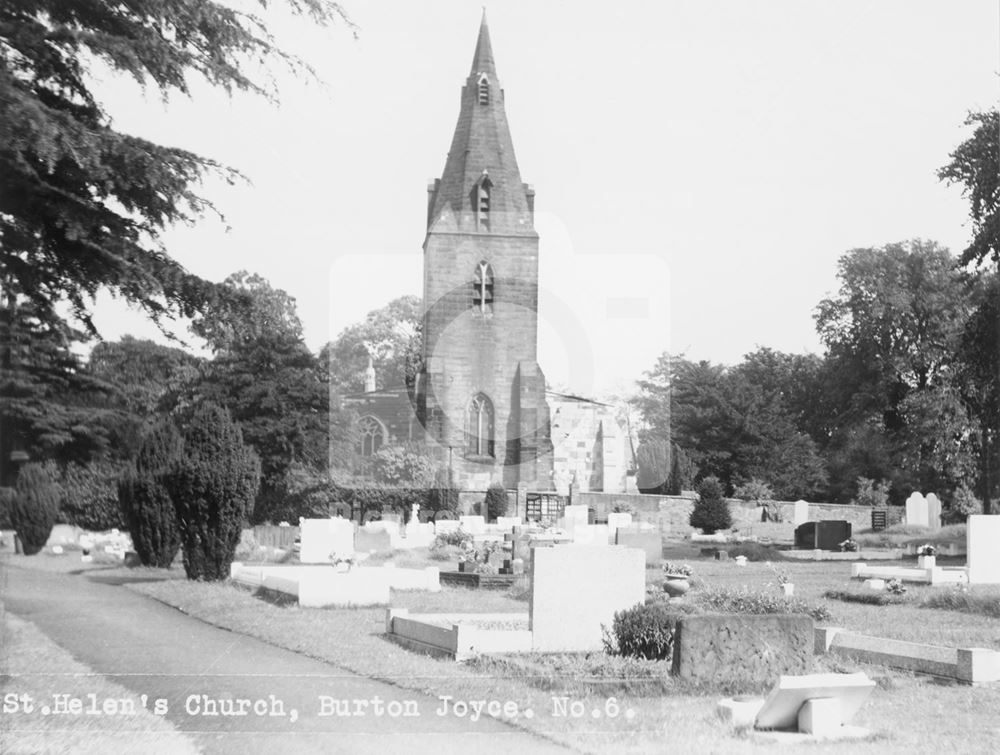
{"points": [[738, 646]]}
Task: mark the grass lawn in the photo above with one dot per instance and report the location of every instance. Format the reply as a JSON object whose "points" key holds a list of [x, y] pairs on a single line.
{"points": [[33, 665], [907, 713]]}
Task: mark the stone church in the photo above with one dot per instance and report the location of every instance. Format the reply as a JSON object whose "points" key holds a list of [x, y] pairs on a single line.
{"points": [[480, 402]]}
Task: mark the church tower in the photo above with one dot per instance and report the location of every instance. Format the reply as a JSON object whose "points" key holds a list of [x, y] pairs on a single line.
{"points": [[481, 394]]}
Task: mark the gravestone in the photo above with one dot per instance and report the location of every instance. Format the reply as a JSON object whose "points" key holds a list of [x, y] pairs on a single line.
{"points": [[7, 541], [826, 535], [574, 516], [933, 511], [591, 534], [617, 520], [982, 534], [320, 539], [880, 519], [648, 541], [474, 525], [508, 522], [782, 706], [916, 510], [372, 541], [576, 590], [801, 514]]}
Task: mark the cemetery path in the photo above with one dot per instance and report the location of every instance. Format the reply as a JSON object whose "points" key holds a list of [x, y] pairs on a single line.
{"points": [[158, 653]]}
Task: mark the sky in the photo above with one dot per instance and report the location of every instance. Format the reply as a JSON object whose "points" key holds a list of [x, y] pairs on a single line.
{"points": [[699, 166]]}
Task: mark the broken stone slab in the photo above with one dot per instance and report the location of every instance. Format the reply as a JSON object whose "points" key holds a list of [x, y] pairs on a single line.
{"points": [[783, 705]]}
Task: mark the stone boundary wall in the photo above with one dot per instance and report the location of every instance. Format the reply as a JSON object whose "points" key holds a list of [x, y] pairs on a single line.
{"points": [[671, 513]]}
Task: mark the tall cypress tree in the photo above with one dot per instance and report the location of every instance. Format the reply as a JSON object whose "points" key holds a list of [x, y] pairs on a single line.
{"points": [[213, 487], [145, 503]]}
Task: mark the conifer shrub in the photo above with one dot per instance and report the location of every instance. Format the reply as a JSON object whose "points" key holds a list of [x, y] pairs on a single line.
{"points": [[6, 502], [496, 502], [35, 506], [711, 511], [653, 462], [213, 486], [90, 497], [145, 504]]}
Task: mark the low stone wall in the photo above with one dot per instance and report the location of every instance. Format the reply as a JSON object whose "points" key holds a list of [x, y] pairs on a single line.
{"points": [[744, 648], [672, 513]]}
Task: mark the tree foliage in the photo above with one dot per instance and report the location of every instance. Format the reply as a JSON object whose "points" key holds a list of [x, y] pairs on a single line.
{"points": [[975, 165], [35, 506], [213, 487], [711, 511], [496, 502], [82, 205], [145, 503], [390, 335], [51, 407], [654, 464]]}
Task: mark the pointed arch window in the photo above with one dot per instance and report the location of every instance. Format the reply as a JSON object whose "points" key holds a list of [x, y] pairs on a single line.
{"points": [[484, 89], [371, 434], [482, 200], [482, 288], [479, 430]]}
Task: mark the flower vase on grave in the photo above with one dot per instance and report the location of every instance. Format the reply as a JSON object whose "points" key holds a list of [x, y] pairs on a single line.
{"points": [[676, 585], [926, 562]]}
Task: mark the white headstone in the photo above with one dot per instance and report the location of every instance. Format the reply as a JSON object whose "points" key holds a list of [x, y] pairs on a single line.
{"points": [[575, 590], [322, 539], [474, 525], [982, 533], [801, 515], [508, 522], [933, 511], [574, 516], [916, 510], [619, 520]]}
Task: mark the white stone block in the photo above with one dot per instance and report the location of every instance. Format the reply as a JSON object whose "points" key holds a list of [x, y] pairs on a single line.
{"points": [[916, 510], [982, 555], [619, 520], [320, 539], [875, 584], [801, 514], [475, 525], [820, 716]]}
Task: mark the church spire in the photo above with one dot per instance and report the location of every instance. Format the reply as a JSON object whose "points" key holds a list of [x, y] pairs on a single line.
{"points": [[480, 190], [482, 61]]}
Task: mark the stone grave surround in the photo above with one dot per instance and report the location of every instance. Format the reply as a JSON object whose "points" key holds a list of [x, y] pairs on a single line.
{"points": [[575, 590], [814, 703]]}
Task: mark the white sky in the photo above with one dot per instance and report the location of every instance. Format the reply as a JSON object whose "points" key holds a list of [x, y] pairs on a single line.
{"points": [[700, 166]]}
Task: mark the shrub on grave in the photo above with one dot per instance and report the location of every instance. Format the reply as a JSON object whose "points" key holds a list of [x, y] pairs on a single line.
{"points": [[90, 496], [964, 503], [34, 507], [496, 502], [756, 552], [645, 631], [213, 487], [756, 602], [145, 504], [711, 511]]}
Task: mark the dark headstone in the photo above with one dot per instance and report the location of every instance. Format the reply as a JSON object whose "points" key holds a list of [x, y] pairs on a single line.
{"points": [[880, 519], [825, 535], [722, 555], [132, 559]]}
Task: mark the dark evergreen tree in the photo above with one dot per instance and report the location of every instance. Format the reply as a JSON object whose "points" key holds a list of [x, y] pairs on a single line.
{"points": [[496, 502], [711, 510], [653, 461], [35, 506], [213, 488], [145, 504]]}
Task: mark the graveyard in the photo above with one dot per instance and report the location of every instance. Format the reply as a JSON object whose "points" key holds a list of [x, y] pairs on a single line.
{"points": [[371, 601]]}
